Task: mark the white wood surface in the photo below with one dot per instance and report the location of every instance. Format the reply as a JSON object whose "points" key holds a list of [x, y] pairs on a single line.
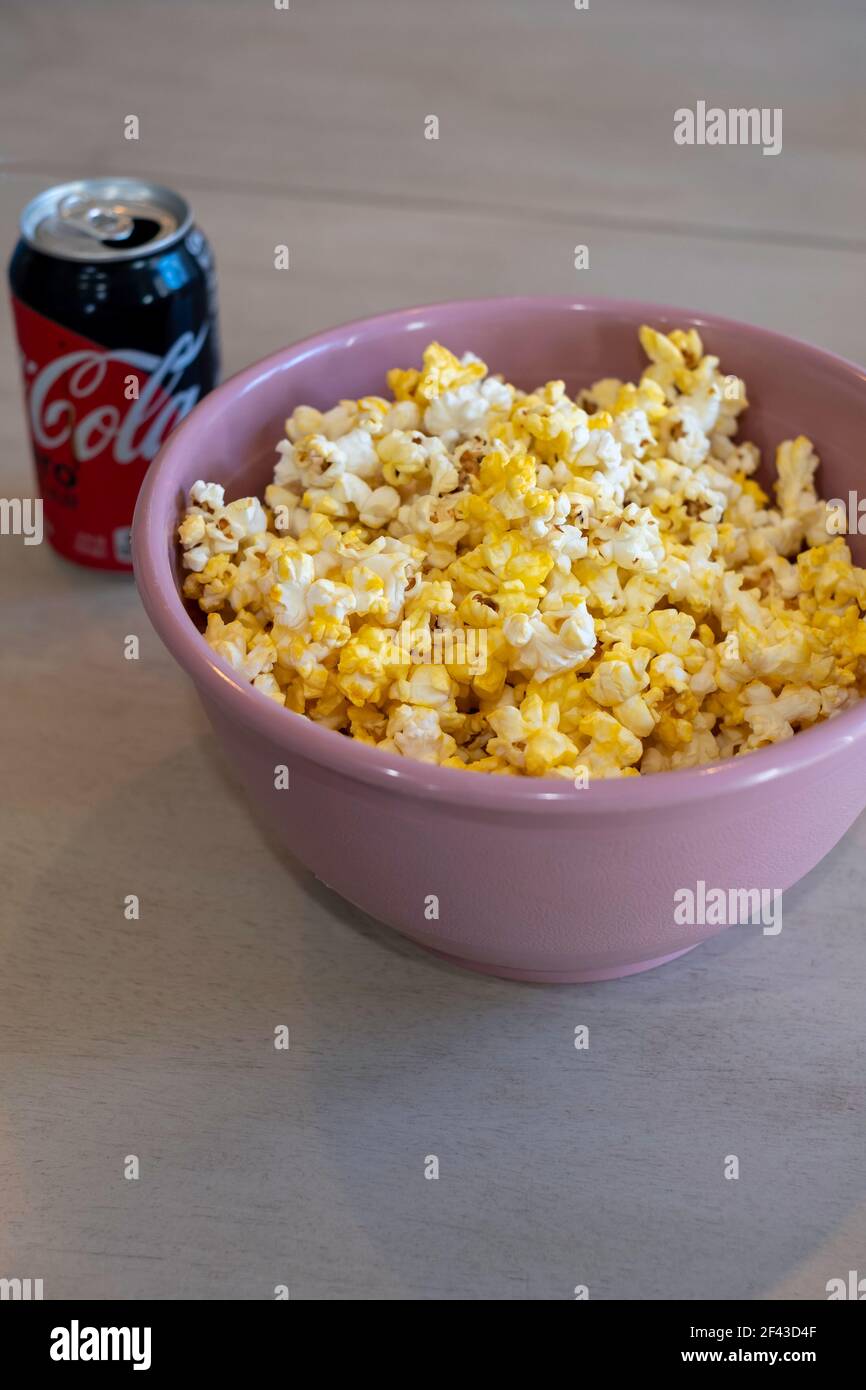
{"points": [[155, 1038]]}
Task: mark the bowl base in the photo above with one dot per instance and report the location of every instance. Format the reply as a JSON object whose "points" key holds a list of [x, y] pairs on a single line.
{"points": [[559, 977]]}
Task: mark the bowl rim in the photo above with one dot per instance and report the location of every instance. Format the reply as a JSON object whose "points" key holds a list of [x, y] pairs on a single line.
{"points": [[454, 787]]}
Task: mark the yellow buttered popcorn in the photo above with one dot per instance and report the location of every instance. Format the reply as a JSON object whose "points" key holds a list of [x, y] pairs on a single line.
{"points": [[535, 584]]}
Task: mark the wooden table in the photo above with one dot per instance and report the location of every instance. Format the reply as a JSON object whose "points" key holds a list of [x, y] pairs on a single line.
{"points": [[155, 1038]]}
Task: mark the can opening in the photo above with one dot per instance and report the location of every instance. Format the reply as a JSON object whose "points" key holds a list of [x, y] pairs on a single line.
{"points": [[144, 229], [105, 219]]}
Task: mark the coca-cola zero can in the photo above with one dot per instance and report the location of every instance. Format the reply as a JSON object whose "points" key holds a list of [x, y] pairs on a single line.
{"points": [[114, 299]]}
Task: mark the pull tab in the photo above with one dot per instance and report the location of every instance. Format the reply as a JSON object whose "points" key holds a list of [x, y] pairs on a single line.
{"points": [[102, 221]]}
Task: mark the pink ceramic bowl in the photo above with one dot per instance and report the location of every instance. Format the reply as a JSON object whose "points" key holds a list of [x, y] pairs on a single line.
{"points": [[535, 880]]}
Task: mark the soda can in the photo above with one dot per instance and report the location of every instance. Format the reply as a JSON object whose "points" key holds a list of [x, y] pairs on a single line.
{"points": [[114, 300]]}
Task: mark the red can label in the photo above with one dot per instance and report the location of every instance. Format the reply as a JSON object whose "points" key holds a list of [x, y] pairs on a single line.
{"points": [[97, 418]]}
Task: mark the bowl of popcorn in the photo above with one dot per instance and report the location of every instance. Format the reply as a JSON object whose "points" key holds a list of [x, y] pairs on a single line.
{"points": [[534, 626]]}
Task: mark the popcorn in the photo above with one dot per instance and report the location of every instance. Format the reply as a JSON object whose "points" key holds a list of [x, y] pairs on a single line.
{"points": [[528, 738], [211, 528], [527, 584], [632, 541], [466, 410], [379, 507], [541, 647], [416, 733]]}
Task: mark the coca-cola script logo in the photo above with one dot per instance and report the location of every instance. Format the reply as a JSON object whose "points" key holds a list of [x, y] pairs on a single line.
{"points": [[72, 407], [98, 415]]}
